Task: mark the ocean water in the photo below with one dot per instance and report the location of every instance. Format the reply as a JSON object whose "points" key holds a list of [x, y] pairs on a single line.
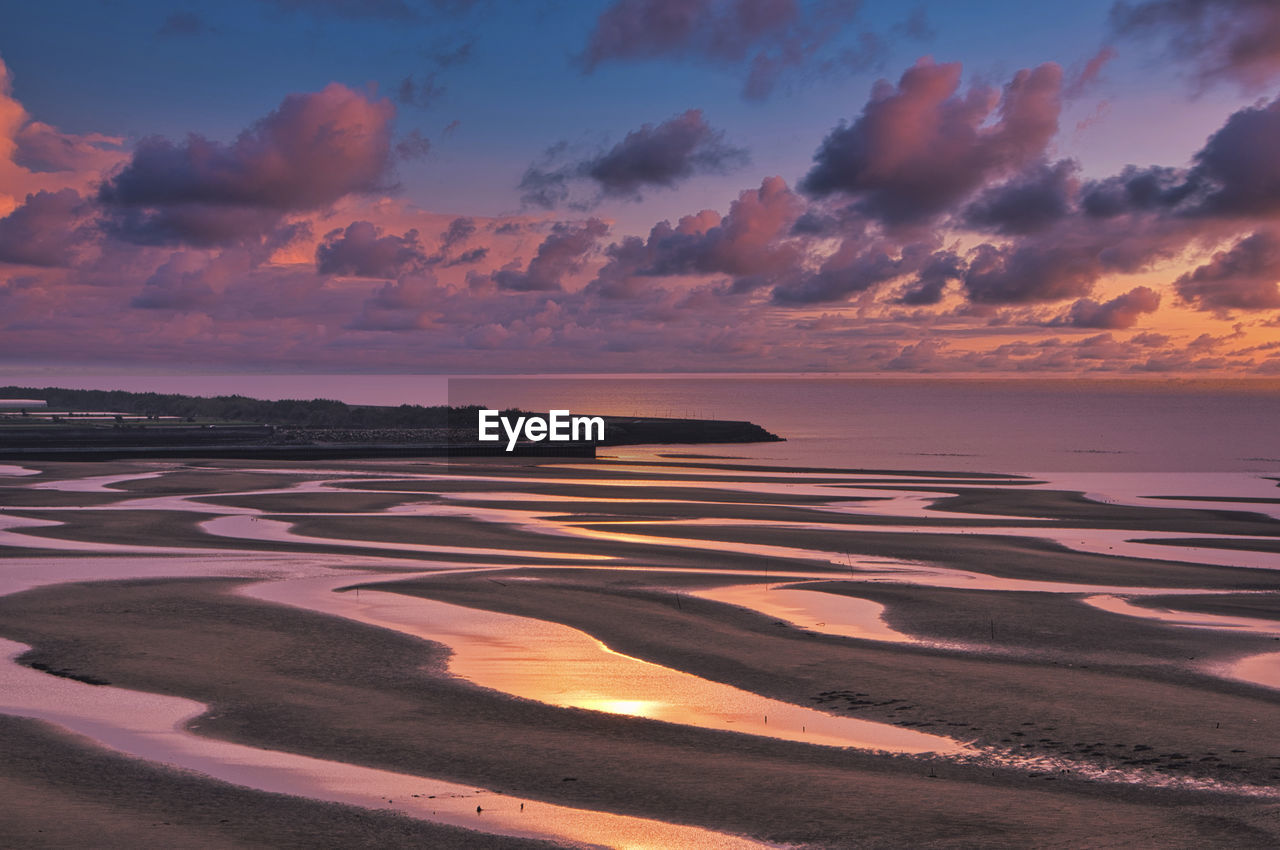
{"points": [[943, 424], [1001, 425]]}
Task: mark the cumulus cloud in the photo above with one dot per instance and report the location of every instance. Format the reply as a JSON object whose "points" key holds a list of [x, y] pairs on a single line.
{"points": [[1123, 311], [1237, 169], [1028, 203], [311, 151], [1028, 272], [752, 244], [762, 38], [35, 156], [1237, 40], [1242, 278], [179, 284], [1234, 176], [921, 147], [932, 278], [652, 156], [45, 230], [40, 147], [858, 267], [361, 250], [562, 254]]}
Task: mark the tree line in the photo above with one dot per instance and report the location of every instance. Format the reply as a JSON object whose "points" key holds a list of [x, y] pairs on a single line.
{"points": [[315, 413]]}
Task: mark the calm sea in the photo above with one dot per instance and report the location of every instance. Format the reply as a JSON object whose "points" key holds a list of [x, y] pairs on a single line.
{"points": [[1006, 425]]}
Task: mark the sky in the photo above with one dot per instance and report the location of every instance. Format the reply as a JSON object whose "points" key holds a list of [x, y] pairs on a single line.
{"points": [[625, 186]]}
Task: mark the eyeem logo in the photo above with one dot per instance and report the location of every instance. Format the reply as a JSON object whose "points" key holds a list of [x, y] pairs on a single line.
{"points": [[558, 426]]}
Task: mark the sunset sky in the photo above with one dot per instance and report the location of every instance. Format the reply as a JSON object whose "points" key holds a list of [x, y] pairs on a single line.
{"points": [[454, 186]]}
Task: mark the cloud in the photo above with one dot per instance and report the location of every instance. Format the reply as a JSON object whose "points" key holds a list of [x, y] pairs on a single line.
{"points": [[179, 284], [362, 251], [653, 156], [664, 155], [43, 148], [762, 39], [1152, 189], [423, 94], [920, 148], [932, 279], [311, 151], [1237, 170], [402, 305], [413, 146], [858, 267], [44, 230], [459, 231], [1242, 278], [1235, 175], [1031, 271], [1236, 40], [1087, 76], [752, 241], [35, 156], [1123, 311], [562, 254], [1029, 202]]}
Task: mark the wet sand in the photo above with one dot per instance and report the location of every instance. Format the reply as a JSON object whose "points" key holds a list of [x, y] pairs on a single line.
{"points": [[62, 791], [325, 687], [1090, 726]]}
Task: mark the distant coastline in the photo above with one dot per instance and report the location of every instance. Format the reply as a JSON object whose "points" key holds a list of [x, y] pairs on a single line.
{"points": [[114, 424]]}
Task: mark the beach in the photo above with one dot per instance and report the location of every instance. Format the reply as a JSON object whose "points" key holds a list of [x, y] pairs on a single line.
{"points": [[411, 619]]}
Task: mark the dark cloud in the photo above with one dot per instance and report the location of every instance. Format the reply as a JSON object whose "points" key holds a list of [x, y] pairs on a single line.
{"points": [[764, 38], [1242, 278], [1151, 189], [1237, 40], [1123, 311], [855, 267], [1235, 175], [362, 251], [413, 146], [920, 148], [1031, 271], [664, 155], [652, 156], [421, 94], [932, 279], [1238, 169], [1029, 202], [44, 230], [459, 231], [311, 151], [467, 258], [563, 253]]}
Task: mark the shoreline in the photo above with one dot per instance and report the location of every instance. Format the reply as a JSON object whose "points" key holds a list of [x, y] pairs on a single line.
{"points": [[1079, 686]]}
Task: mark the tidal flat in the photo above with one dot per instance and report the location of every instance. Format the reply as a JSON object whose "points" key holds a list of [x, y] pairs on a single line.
{"points": [[632, 653]]}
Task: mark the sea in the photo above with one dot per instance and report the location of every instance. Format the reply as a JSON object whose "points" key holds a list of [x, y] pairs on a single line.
{"points": [[1010, 425]]}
